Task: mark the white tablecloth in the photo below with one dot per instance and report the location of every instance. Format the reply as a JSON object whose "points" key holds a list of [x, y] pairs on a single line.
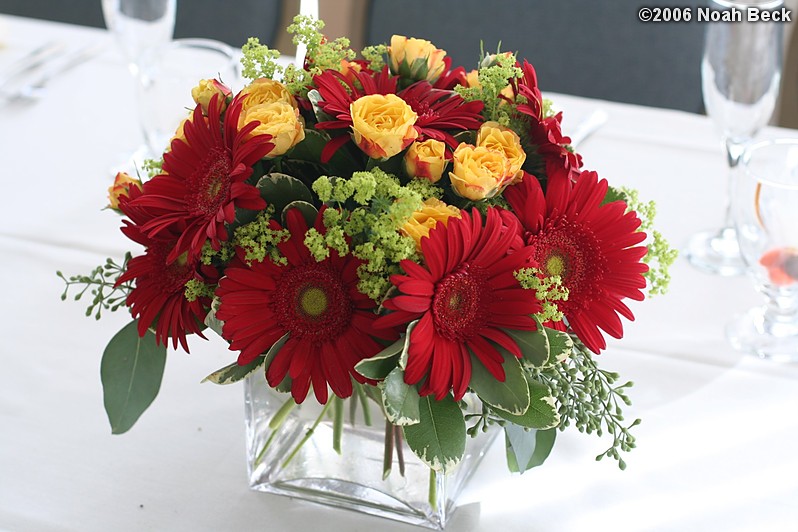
{"points": [[716, 450]]}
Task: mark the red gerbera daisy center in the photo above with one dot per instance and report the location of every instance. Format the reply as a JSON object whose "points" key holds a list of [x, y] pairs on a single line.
{"points": [[210, 183], [571, 251], [169, 277], [460, 304], [311, 301]]}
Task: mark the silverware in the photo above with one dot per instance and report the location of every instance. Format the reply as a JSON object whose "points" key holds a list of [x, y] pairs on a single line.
{"points": [[588, 126], [32, 61], [36, 88]]}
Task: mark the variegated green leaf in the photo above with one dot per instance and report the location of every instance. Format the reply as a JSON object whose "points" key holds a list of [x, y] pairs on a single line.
{"points": [[534, 345], [308, 211], [438, 439], [281, 189], [560, 346], [380, 365], [399, 399], [542, 412], [406, 347], [512, 395]]}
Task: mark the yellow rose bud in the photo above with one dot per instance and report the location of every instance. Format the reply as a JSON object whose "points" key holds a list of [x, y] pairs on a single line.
{"points": [[265, 90], [121, 187], [423, 220], [382, 124], [206, 89], [478, 172], [279, 119], [415, 59], [426, 160], [494, 136]]}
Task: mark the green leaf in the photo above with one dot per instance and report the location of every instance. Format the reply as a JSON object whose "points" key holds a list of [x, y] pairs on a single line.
{"points": [[131, 373], [233, 372], [527, 448], [310, 149], [542, 412], [512, 395], [380, 365], [438, 439], [281, 189], [534, 345], [401, 401], [285, 384], [308, 211]]}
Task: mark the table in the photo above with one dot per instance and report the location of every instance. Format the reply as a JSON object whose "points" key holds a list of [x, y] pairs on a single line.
{"points": [[716, 450]]}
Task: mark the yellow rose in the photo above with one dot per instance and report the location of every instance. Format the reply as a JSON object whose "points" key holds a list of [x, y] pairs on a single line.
{"points": [[279, 119], [382, 124], [121, 187], [426, 160], [415, 59], [478, 172], [265, 90], [423, 220], [494, 136], [206, 89], [472, 79]]}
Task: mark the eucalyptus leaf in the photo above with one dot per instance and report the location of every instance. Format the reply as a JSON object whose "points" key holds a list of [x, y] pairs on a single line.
{"points": [[510, 396], [378, 367], [281, 189], [308, 211], [131, 372], [401, 401], [527, 448], [438, 439], [542, 412]]}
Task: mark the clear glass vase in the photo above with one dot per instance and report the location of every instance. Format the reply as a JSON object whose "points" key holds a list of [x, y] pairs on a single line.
{"points": [[279, 461]]}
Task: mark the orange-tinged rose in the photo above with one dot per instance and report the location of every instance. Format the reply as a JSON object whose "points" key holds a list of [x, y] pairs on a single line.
{"points": [[478, 172], [382, 124], [416, 59], [207, 89], [426, 160], [494, 136], [279, 119], [121, 187], [265, 90], [424, 220]]}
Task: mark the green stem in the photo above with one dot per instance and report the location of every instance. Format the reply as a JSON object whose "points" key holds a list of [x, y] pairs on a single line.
{"points": [[387, 457], [338, 422], [361, 394], [400, 453], [433, 490], [307, 435], [275, 423]]}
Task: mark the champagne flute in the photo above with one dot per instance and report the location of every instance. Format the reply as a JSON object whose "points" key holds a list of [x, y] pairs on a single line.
{"points": [[764, 198], [740, 74], [141, 28]]}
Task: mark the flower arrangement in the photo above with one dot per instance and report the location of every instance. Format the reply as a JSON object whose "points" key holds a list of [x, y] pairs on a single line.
{"points": [[388, 227]]}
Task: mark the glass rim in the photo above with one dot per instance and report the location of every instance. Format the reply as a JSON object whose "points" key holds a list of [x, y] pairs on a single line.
{"points": [[196, 43], [763, 4], [759, 147]]}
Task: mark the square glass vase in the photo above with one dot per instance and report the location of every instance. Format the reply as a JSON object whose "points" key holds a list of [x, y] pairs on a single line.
{"points": [[312, 470]]}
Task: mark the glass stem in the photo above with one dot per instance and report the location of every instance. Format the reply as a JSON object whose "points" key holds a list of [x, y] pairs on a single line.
{"points": [[734, 150]]}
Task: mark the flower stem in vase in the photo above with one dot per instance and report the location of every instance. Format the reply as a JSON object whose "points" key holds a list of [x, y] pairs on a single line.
{"points": [[307, 435], [400, 454], [274, 424], [387, 457], [338, 422]]}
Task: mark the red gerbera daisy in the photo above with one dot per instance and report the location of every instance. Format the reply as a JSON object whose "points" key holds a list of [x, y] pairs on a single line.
{"points": [[438, 110], [329, 322], [204, 180], [463, 297], [159, 291], [592, 247]]}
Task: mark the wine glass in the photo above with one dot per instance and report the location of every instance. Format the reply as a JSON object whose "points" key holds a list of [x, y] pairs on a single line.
{"points": [[141, 28], [764, 199], [740, 74]]}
